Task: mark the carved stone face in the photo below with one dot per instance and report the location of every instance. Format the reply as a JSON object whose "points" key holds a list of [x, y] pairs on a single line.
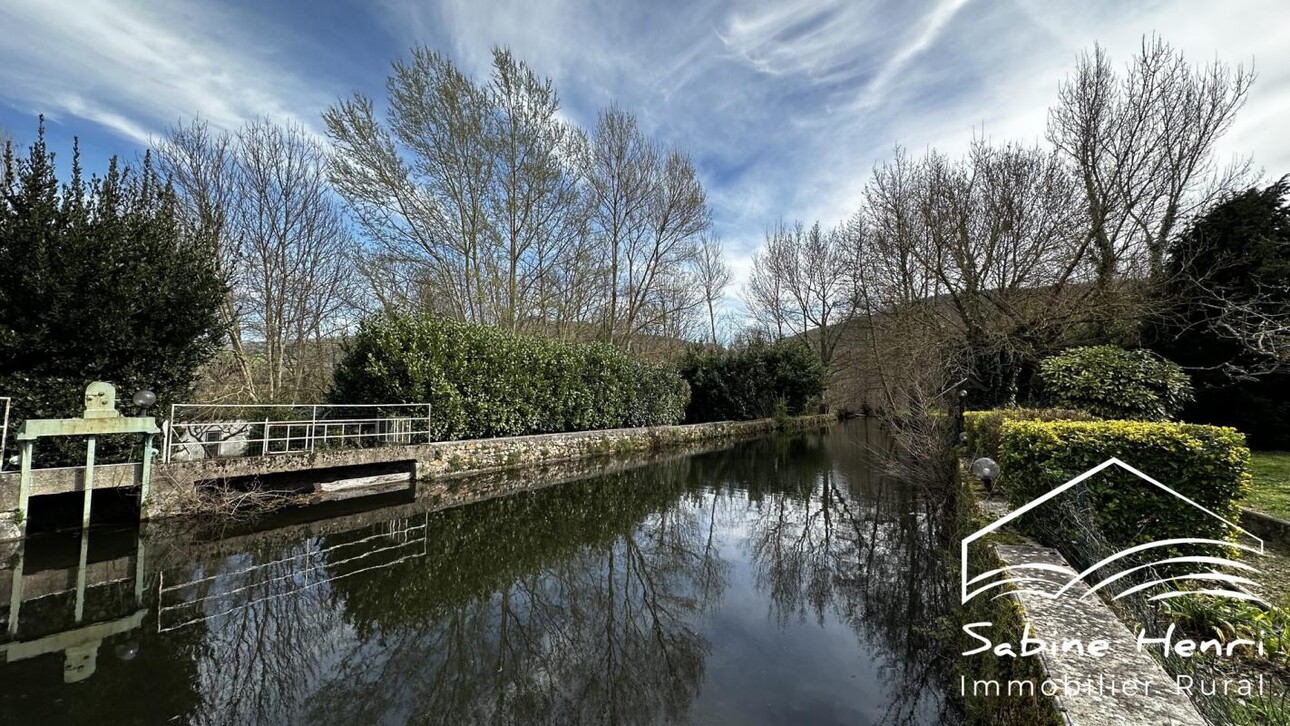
{"points": [[100, 400]]}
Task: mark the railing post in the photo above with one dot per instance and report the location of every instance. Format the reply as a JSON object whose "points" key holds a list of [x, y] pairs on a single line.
{"points": [[313, 424], [264, 440], [165, 438], [145, 476], [429, 414], [4, 433], [165, 456]]}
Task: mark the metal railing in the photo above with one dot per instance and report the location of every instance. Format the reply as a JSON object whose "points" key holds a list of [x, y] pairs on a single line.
{"points": [[207, 431], [4, 431]]}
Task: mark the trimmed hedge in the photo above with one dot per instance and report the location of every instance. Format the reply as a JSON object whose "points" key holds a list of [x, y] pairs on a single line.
{"points": [[1208, 464], [483, 381], [984, 428], [1114, 383], [752, 381]]}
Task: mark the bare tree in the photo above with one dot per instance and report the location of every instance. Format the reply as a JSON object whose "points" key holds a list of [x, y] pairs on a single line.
{"points": [[714, 276], [261, 195], [536, 203], [649, 212], [201, 163], [621, 183], [296, 248], [474, 189], [801, 283], [974, 266], [496, 210], [1142, 144]]}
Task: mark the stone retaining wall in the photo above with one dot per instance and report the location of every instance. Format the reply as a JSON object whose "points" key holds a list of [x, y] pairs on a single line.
{"points": [[1266, 526], [174, 484]]}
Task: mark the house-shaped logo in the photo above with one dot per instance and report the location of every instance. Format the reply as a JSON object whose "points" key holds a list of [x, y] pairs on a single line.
{"points": [[1052, 581]]}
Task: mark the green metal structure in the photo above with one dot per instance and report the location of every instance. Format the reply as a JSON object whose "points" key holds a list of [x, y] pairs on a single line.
{"points": [[100, 418]]}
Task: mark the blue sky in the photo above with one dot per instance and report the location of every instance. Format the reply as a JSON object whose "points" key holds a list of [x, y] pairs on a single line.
{"points": [[785, 105]]}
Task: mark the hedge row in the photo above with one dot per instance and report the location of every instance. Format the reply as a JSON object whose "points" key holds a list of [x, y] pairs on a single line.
{"points": [[752, 381], [1208, 464], [985, 428], [483, 381]]}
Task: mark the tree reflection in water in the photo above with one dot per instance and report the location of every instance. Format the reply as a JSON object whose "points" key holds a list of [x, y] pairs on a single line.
{"points": [[619, 599], [843, 539]]}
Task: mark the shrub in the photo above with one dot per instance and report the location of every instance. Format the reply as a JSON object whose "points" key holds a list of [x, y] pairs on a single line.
{"points": [[1208, 464], [483, 381], [1113, 383], [752, 381], [984, 428]]}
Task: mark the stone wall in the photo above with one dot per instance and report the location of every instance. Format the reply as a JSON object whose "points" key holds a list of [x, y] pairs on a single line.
{"points": [[175, 484]]}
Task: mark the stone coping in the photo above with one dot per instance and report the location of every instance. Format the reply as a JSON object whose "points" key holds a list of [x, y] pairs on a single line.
{"points": [[1124, 686]]}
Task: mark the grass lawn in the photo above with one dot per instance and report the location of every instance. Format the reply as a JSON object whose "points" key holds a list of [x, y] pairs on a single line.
{"points": [[1271, 493]]}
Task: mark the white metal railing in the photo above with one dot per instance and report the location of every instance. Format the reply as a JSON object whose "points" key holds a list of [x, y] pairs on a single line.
{"points": [[203, 431], [4, 431]]}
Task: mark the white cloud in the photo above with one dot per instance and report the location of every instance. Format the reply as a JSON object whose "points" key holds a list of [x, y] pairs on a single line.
{"points": [[136, 67], [929, 28]]}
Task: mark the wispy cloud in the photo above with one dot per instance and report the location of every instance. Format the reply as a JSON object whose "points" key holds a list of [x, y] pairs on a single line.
{"points": [[928, 29], [134, 68]]}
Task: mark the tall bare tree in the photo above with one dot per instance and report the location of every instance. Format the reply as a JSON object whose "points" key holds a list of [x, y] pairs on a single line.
{"points": [[262, 196], [537, 201], [201, 163], [1142, 143], [981, 260], [714, 276], [801, 283], [621, 184], [296, 248], [472, 187]]}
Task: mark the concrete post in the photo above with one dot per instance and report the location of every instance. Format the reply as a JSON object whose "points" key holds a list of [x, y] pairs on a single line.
{"points": [[24, 484], [90, 444], [145, 475]]}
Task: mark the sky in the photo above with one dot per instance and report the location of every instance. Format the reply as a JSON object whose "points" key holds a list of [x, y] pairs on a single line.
{"points": [[785, 105]]}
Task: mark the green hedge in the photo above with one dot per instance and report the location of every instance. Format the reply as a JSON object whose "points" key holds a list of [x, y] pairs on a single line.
{"points": [[483, 381], [752, 381], [984, 428], [1114, 383], [1208, 464]]}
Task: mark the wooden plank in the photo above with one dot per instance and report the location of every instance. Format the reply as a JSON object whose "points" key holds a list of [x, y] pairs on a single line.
{"points": [[363, 482]]}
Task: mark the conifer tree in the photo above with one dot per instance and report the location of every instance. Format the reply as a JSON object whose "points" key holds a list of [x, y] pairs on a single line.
{"points": [[97, 282]]}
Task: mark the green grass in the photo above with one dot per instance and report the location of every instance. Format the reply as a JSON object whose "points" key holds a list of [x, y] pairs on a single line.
{"points": [[1271, 493]]}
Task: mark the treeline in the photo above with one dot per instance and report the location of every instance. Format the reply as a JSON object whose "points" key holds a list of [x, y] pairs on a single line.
{"points": [[476, 200], [970, 270]]}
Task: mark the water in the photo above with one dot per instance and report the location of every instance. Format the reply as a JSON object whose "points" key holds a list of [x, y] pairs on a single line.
{"points": [[781, 581]]}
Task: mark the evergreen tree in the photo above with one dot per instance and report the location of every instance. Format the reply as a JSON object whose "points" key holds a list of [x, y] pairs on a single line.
{"points": [[1229, 313], [97, 282]]}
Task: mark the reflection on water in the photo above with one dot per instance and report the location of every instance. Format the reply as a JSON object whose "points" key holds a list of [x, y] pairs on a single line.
{"points": [[779, 581]]}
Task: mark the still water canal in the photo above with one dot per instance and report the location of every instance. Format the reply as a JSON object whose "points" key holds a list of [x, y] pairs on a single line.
{"points": [[781, 581]]}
